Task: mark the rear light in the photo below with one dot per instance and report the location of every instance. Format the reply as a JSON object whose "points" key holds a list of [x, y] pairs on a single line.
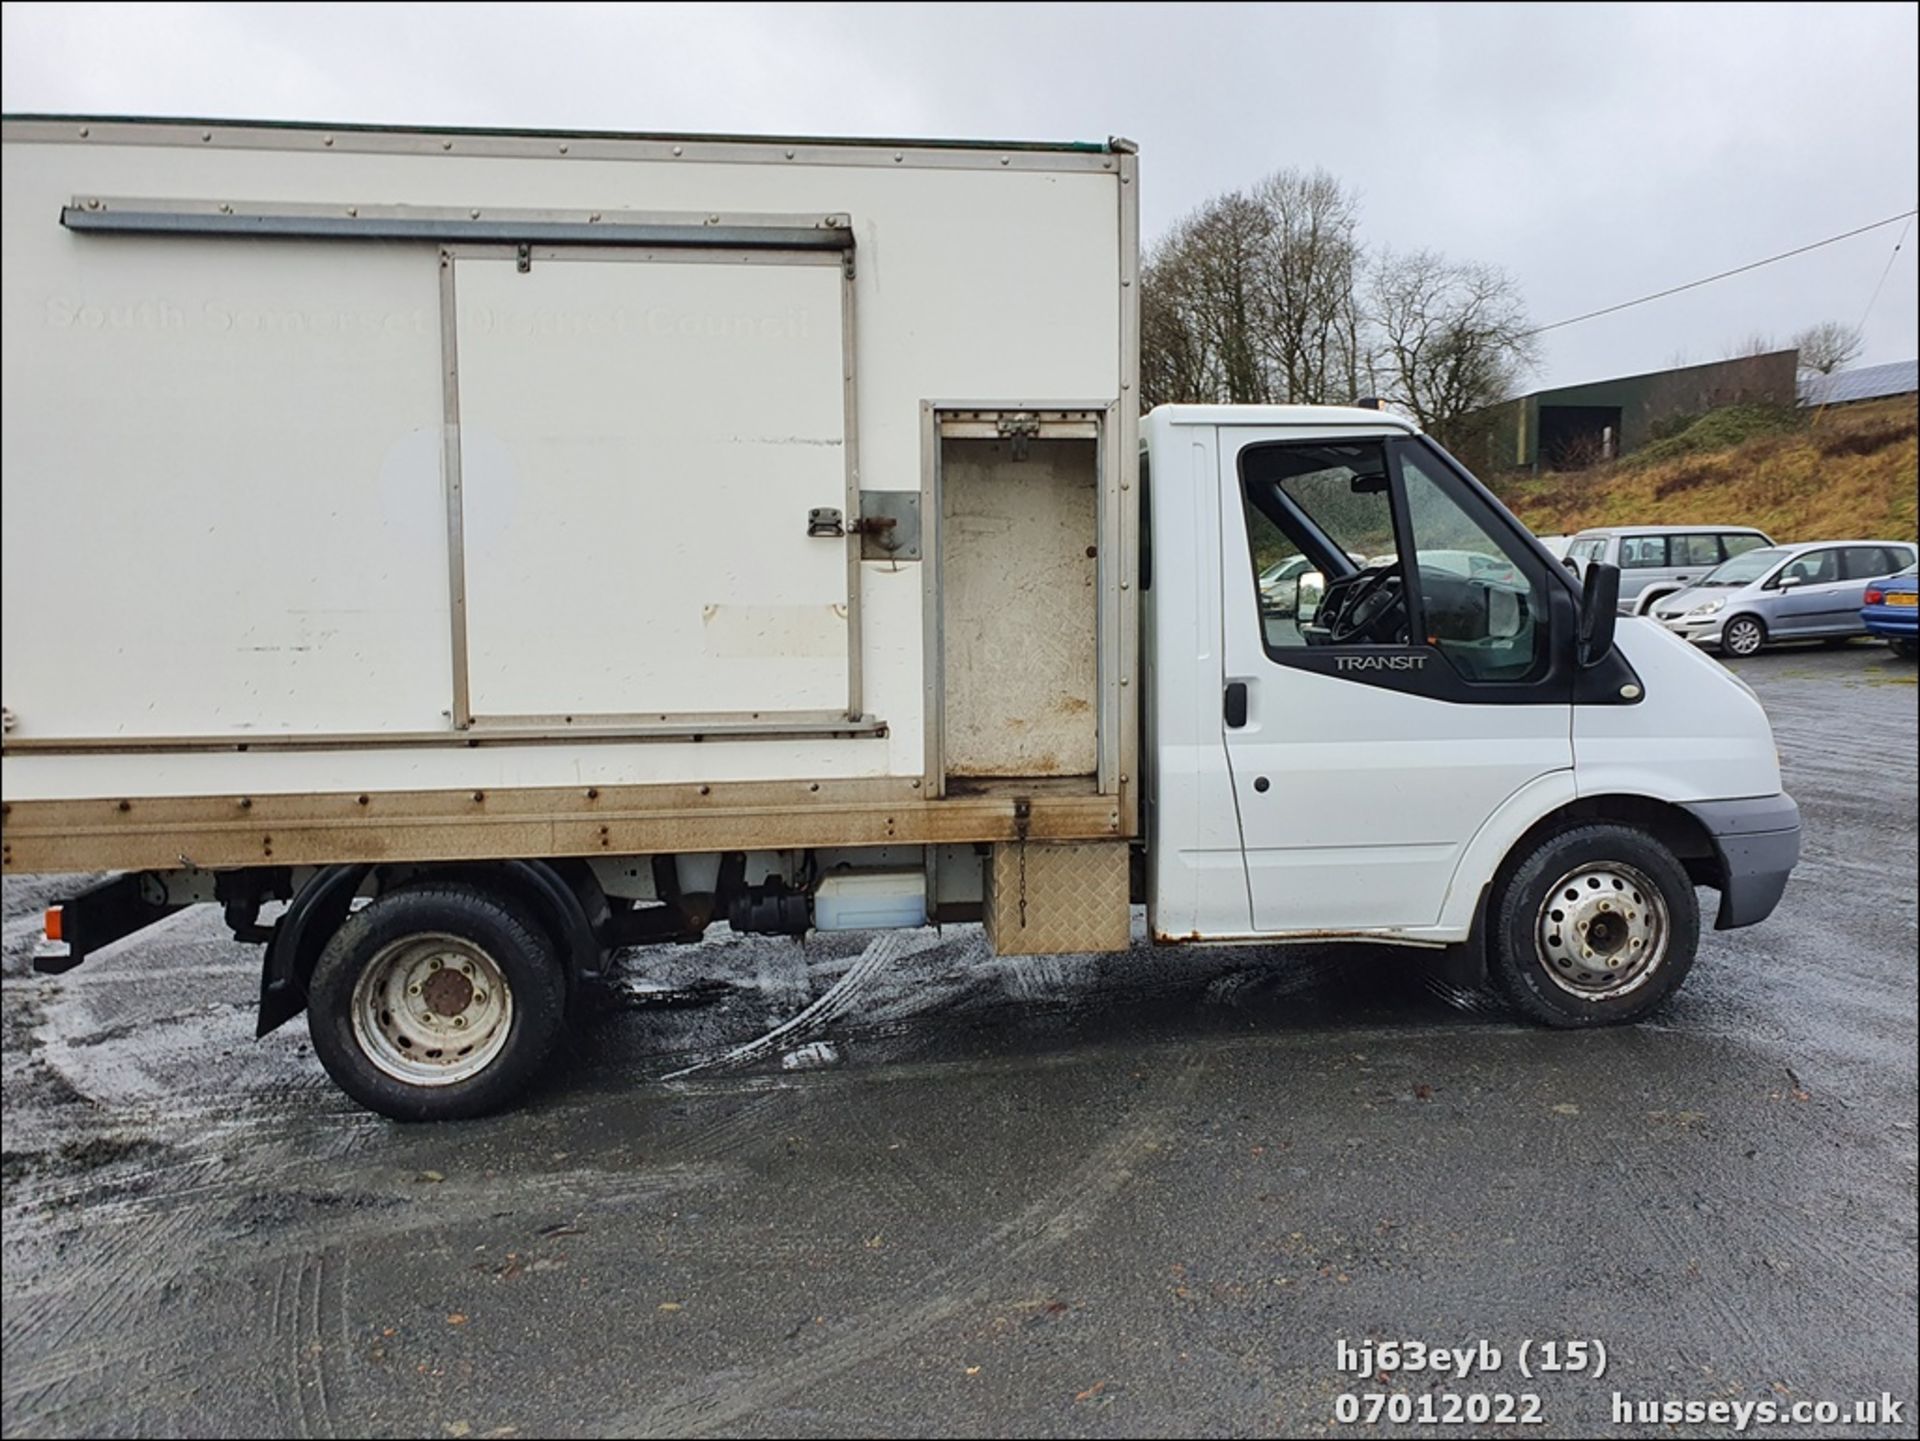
{"points": [[53, 923], [1874, 597]]}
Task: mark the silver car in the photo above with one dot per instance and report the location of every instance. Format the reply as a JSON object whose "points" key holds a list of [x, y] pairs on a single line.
{"points": [[1655, 561], [1812, 591]]}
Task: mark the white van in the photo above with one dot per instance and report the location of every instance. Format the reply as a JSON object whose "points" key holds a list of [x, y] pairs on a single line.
{"points": [[1656, 561], [459, 590]]}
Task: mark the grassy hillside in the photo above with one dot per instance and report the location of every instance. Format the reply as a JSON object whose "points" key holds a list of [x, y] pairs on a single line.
{"points": [[1848, 472]]}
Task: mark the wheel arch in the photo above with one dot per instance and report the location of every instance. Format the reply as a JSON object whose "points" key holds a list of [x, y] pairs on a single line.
{"points": [[1766, 631], [564, 897], [1644, 602], [1550, 803], [1670, 824]]}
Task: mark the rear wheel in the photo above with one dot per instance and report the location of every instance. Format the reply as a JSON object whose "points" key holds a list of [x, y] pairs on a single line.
{"points": [[435, 1003], [1743, 635], [1597, 925], [1906, 648]]}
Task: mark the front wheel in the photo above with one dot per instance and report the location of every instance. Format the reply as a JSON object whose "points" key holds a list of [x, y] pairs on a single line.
{"points": [[1744, 635], [1597, 925], [436, 1003]]}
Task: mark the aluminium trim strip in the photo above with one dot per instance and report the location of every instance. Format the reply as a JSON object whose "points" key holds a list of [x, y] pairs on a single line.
{"points": [[483, 733], [109, 219]]}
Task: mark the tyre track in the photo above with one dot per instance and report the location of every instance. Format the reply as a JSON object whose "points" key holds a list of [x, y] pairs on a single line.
{"points": [[719, 1402], [837, 1000]]}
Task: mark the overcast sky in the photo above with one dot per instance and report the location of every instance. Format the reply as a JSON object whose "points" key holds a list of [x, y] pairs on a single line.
{"points": [[1596, 152]]}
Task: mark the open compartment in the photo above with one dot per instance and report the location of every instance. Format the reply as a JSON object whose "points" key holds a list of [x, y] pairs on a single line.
{"points": [[1019, 598]]}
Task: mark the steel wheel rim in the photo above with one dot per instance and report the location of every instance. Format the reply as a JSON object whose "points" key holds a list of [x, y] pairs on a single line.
{"points": [[432, 1009], [1743, 636], [1602, 931]]}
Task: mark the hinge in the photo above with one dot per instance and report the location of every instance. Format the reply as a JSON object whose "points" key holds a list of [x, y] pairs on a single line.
{"points": [[526, 259], [1020, 430]]}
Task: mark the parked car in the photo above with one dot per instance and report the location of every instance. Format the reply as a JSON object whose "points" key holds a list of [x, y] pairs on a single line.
{"points": [[1657, 561], [1286, 584], [1291, 588], [1556, 545], [1811, 591], [1892, 609]]}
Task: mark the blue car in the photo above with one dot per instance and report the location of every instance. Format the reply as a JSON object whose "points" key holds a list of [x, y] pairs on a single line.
{"points": [[1893, 610]]}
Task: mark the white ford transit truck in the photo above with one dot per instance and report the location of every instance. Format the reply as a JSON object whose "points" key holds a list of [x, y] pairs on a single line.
{"points": [[465, 555]]}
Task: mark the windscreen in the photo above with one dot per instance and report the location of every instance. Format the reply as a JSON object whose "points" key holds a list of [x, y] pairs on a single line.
{"points": [[1744, 569]]}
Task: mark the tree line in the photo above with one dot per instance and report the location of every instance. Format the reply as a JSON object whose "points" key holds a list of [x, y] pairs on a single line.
{"points": [[1269, 296]]}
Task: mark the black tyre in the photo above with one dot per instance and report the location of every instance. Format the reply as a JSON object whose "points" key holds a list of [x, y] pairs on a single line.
{"points": [[1743, 635], [436, 1002], [1597, 925], [1906, 649]]}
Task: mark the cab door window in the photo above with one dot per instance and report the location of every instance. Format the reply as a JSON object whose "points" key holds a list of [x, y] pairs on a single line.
{"points": [[1482, 604], [1320, 524]]}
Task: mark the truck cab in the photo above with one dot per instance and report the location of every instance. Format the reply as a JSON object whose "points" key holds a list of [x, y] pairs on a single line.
{"points": [[1381, 763]]}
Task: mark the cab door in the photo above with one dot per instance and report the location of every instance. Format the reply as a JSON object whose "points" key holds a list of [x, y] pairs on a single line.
{"points": [[1369, 736]]}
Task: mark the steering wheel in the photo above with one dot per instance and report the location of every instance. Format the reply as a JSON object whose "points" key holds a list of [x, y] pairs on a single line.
{"points": [[1370, 608]]}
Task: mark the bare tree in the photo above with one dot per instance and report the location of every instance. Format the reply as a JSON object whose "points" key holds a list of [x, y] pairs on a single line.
{"points": [[1756, 343], [1450, 337], [1251, 299], [1827, 347], [1305, 275], [1175, 362], [1198, 308]]}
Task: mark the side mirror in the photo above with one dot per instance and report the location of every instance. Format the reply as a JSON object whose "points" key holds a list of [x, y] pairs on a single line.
{"points": [[1788, 582], [1599, 611]]}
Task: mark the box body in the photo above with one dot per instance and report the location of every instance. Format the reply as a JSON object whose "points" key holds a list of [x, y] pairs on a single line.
{"points": [[446, 494]]}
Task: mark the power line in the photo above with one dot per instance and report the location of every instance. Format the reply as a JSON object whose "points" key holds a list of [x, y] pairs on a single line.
{"points": [[1861, 328], [1737, 270]]}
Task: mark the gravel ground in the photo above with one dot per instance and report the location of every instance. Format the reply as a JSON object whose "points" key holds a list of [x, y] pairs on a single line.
{"points": [[1141, 1194]]}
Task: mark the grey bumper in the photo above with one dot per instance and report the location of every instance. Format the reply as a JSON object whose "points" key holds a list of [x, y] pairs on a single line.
{"points": [[1758, 842]]}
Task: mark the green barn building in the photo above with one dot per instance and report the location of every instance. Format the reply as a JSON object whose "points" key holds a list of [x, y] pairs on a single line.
{"points": [[1580, 425]]}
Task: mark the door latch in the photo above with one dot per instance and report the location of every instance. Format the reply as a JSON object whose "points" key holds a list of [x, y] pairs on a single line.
{"points": [[827, 522]]}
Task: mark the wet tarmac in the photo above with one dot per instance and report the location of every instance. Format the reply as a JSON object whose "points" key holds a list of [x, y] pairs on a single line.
{"points": [[1133, 1195]]}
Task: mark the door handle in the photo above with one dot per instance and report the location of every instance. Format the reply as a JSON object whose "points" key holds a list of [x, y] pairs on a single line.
{"points": [[1236, 704]]}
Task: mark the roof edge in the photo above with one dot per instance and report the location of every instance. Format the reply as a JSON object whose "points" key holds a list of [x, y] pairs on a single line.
{"points": [[1113, 146]]}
